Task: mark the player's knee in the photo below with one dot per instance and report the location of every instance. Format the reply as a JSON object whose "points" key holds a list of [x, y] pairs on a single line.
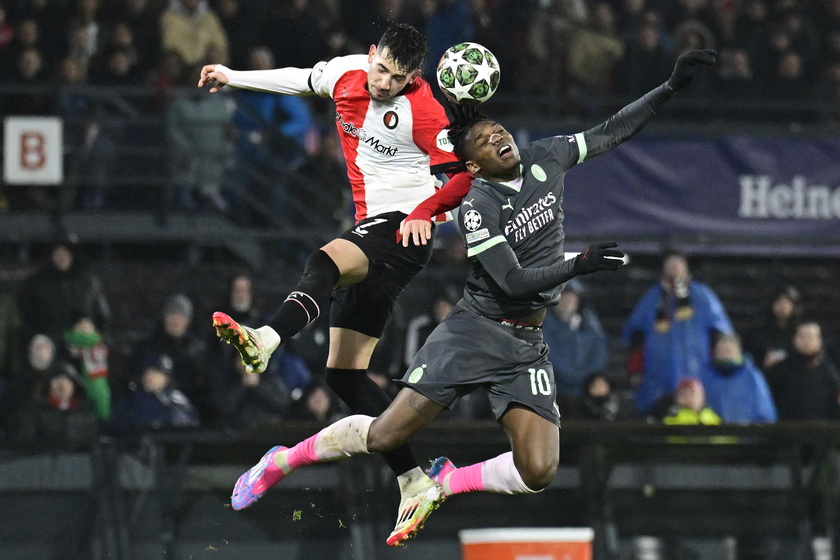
{"points": [[538, 473]]}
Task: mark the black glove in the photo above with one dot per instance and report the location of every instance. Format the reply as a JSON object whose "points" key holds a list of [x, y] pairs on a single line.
{"points": [[598, 256], [687, 65]]}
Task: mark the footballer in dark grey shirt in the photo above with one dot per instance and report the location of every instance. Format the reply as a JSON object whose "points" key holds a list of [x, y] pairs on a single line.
{"points": [[512, 222], [512, 218], [513, 228]]}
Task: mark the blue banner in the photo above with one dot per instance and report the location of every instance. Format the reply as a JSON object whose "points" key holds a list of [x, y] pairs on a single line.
{"points": [[782, 193]]}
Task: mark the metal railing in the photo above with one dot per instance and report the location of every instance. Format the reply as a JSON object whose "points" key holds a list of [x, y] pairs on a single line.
{"points": [[121, 165], [618, 478]]}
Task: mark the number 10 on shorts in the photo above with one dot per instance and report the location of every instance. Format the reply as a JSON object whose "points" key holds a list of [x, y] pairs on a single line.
{"points": [[540, 382]]}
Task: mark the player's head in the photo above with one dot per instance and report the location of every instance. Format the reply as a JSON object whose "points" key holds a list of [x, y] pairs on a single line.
{"points": [[396, 61], [482, 144]]}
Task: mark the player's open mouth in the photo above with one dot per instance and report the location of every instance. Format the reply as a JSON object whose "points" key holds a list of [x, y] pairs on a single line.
{"points": [[505, 150]]}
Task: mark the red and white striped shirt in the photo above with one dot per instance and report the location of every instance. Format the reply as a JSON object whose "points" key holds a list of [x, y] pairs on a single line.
{"points": [[388, 146]]}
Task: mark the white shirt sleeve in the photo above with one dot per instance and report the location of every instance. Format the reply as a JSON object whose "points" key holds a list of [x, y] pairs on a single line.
{"points": [[326, 74], [288, 81]]}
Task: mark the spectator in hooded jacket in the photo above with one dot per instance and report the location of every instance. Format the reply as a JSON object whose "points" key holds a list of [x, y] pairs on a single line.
{"points": [[735, 387], [199, 145], [600, 401], [671, 331], [53, 298], [577, 344]]}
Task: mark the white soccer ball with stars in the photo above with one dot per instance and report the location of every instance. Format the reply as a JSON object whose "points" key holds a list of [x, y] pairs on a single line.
{"points": [[468, 73]]}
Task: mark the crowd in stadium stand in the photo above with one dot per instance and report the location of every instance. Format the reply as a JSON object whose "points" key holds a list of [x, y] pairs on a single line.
{"points": [[779, 62], [66, 376], [585, 52]]}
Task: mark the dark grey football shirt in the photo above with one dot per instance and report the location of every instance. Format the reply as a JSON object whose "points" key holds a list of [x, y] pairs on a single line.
{"points": [[514, 230], [527, 215]]}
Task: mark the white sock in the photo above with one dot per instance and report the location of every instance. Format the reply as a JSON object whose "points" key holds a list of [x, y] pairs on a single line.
{"points": [[269, 338], [343, 438], [499, 475]]}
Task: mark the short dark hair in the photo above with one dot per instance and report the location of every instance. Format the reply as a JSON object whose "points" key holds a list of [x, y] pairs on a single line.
{"points": [[464, 117], [406, 46]]}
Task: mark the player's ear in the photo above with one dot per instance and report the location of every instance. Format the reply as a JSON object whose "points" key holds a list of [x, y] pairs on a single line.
{"points": [[413, 76], [472, 167], [371, 53]]}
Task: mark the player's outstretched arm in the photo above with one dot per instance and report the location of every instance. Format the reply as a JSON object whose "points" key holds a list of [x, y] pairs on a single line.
{"points": [[633, 117], [286, 81], [417, 227], [501, 264]]}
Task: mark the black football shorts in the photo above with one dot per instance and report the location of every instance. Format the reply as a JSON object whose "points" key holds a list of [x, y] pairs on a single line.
{"points": [[467, 351], [366, 306]]}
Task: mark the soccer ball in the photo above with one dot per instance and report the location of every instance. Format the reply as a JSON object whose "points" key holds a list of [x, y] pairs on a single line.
{"points": [[468, 73]]}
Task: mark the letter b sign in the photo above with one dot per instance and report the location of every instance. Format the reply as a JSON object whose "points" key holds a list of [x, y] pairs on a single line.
{"points": [[33, 150]]}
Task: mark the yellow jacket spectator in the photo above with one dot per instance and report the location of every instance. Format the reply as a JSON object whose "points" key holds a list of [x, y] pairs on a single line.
{"points": [[687, 416], [191, 29], [690, 409], [690, 405]]}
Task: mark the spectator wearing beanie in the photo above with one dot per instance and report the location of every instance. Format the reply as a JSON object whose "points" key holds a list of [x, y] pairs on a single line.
{"points": [[155, 402], [191, 372]]}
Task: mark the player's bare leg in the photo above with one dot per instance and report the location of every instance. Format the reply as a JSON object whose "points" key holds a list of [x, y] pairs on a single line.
{"points": [[350, 353], [351, 261], [419, 494], [528, 468], [350, 349], [535, 442]]}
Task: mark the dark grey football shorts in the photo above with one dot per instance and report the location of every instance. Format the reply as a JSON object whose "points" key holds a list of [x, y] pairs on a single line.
{"points": [[467, 351]]}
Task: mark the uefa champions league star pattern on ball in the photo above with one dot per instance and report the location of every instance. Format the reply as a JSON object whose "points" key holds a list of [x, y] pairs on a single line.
{"points": [[468, 73]]}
